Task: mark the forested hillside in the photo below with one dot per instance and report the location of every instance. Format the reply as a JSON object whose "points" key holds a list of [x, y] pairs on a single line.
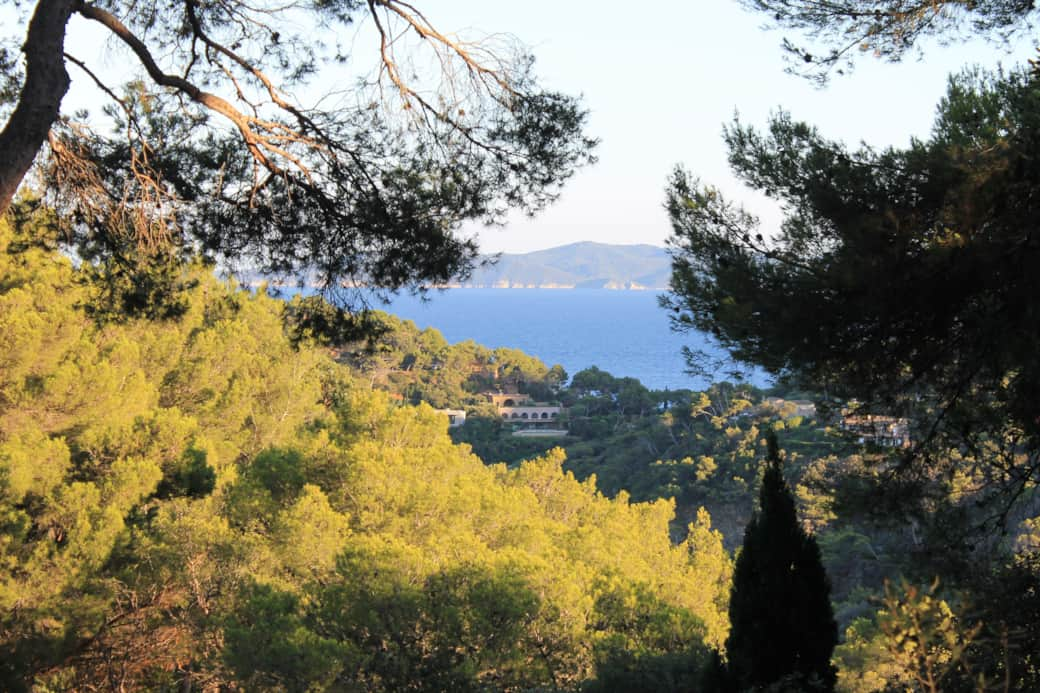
{"points": [[197, 502], [210, 499], [705, 450], [700, 448]]}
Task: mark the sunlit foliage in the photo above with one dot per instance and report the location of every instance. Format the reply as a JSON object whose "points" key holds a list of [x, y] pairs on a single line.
{"points": [[197, 501]]}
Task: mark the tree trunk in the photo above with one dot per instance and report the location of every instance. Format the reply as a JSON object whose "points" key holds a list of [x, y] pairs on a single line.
{"points": [[46, 82]]}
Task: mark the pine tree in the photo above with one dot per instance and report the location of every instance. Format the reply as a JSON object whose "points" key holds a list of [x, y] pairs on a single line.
{"points": [[782, 626]]}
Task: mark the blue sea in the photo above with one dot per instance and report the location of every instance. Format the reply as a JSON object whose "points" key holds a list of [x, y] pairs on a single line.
{"points": [[623, 332]]}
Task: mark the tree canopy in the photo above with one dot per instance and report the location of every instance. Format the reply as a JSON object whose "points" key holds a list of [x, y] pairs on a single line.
{"points": [[900, 283], [782, 629], [223, 140], [199, 503], [836, 32], [902, 277]]}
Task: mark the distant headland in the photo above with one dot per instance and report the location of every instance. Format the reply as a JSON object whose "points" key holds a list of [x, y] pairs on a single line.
{"points": [[585, 265]]}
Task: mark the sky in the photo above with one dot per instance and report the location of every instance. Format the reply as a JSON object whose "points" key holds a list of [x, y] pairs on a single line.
{"points": [[659, 81], [661, 78]]}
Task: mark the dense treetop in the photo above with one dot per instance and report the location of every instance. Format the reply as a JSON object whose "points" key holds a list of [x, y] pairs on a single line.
{"points": [[219, 139], [837, 32], [197, 500], [900, 283], [782, 625], [902, 277]]}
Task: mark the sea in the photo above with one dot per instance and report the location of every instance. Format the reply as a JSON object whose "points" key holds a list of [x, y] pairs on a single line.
{"points": [[624, 333]]}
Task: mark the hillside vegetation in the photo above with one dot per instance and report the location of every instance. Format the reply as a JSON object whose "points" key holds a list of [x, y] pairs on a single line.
{"points": [[705, 450], [208, 500], [197, 501]]}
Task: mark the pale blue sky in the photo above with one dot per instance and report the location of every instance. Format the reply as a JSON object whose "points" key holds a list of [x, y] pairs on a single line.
{"points": [[659, 82]]}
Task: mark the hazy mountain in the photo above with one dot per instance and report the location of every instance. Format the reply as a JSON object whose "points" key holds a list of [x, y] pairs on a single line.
{"points": [[584, 265]]}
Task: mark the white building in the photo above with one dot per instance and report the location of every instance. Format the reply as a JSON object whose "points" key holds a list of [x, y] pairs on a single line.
{"points": [[456, 417]]}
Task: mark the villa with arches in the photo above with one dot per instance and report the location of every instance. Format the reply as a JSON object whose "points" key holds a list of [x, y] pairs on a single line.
{"points": [[522, 412]]}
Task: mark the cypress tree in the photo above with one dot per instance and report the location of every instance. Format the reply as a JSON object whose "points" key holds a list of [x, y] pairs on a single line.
{"points": [[782, 626]]}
